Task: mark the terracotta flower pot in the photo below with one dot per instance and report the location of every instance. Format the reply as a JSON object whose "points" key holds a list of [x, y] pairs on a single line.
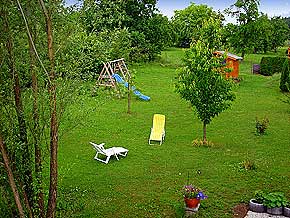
{"points": [[191, 202]]}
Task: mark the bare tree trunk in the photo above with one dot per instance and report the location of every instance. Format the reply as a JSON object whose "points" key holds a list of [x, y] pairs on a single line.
{"points": [[11, 178], [36, 133], [53, 155], [129, 96], [37, 149], [26, 156], [204, 133], [51, 205]]}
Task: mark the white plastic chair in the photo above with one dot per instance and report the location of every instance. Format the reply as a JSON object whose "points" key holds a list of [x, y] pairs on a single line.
{"points": [[108, 152]]}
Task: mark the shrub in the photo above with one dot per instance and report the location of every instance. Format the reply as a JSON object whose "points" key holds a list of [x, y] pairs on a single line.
{"points": [[248, 165], [84, 54], [201, 143], [262, 125], [259, 196], [271, 65], [275, 199], [285, 79]]}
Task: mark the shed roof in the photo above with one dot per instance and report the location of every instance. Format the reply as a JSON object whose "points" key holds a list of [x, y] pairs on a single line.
{"points": [[230, 55]]}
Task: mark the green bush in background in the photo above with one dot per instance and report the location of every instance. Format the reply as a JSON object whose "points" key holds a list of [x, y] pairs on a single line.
{"points": [[271, 65], [285, 79]]}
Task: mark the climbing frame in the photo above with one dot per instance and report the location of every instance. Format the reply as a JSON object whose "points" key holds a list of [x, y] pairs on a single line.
{"points": [[106, 76]]}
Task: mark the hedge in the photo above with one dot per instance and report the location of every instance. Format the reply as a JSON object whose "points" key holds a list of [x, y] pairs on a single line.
{"points": [[271, 65], [285, 77]]}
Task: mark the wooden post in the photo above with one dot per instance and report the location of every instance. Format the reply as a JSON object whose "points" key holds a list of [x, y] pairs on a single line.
{"points": [[129, 95]]}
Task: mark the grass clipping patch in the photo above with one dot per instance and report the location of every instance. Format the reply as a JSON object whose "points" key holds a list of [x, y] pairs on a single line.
{"points": [[200, 143]]}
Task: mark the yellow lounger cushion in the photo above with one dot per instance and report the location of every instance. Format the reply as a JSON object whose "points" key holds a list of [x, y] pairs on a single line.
{"points": [[158, 131]]}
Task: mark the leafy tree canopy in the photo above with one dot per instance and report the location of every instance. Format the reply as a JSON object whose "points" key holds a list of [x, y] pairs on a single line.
{"points": [[246, 12], [201, 81], [148, 30], [188, 22]]}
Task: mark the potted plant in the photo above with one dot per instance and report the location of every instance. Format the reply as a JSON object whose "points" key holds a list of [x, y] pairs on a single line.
{"points": [[192, 196], [275, 201], [256, 204]]}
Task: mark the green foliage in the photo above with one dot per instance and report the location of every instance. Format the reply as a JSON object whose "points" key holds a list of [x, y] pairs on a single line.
{"points": [[156, 34], [285, 77], [229, 36], [149, 31], [103, 15], [201, 83], [247, 165], [269, 34], [280, 32], [187, 23], [246, 12], [255, 32], [262, 125], [263, 36], [84, 54], [287, 20], [275, 199], [272, 65], [259, 196], [67, 205], [201, 80]]}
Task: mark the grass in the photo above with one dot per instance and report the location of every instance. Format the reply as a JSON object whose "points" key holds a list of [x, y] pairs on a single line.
{"points": [[147, 183]]}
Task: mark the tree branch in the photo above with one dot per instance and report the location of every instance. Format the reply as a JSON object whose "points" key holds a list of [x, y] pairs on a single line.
{"points": [[30, 38]]}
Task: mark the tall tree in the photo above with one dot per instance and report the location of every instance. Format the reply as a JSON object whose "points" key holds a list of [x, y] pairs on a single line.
{"points": [[200, 81], [11, 177], [138, 16], [187, 22], [25, 164], [281, 32], [51, 205], [246, 12], [36, 133], [263, 34]]}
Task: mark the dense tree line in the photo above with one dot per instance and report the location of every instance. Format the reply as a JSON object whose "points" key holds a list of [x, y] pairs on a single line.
{"points": [[254, 31]]}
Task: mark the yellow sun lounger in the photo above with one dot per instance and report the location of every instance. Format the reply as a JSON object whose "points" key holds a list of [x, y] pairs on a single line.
{"points": [[158, 129]]}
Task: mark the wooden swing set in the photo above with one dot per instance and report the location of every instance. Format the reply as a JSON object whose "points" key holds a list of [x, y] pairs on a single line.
{"points": [[109, 69]]}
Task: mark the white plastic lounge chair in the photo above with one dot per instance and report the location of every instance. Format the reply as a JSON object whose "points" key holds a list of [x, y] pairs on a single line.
{"points": [[108, 152], [158, 129]]}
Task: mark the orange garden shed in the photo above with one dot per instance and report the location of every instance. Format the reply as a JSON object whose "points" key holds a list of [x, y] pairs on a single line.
{"points": [[232, 61]]}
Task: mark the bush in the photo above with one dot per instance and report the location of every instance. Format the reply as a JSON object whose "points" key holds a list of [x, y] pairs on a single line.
{"points": [[84, 55], [275, 199], [285, 79], [260, 196], [271, 65], [262, 125], [248, 165]]}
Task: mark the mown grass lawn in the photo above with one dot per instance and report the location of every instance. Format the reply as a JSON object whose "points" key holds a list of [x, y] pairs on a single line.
{"points": [[148, 181]]}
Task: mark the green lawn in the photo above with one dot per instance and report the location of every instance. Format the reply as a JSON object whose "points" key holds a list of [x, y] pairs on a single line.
{"points": [[148, 181]]}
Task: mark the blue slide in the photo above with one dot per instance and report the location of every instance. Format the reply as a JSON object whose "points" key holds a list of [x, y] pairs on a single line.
{"points": [[120, 80]]}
